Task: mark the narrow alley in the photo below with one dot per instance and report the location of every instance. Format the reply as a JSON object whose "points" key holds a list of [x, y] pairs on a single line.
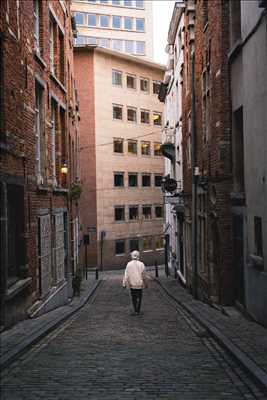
{"points": [[103, 352]]}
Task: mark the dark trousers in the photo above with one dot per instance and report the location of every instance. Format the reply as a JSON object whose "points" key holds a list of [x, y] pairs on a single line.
{"points": [[136, 299]]}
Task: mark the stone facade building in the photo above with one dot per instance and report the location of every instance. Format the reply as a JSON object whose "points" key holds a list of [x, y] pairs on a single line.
{"points": [[248, 60], [171, 95], [39, 157], [120, 25], [206, 149], [121, 162]]}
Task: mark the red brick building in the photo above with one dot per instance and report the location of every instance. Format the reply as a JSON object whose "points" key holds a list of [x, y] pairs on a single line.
{"points": [[207, 34], [39, 145]]}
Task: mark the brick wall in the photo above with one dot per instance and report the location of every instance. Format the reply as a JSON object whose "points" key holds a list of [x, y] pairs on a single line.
{"points": [[213, 147], [20, 66]]}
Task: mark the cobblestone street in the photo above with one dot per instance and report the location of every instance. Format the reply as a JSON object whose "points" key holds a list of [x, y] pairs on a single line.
{"points": [[105, 353]]}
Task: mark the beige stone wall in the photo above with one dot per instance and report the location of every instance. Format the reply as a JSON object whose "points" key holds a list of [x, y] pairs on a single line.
{"points": [[108, 162], [109, 33]]}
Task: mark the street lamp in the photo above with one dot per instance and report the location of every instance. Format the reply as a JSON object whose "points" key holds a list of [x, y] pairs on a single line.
{"points": [[64, 169]]}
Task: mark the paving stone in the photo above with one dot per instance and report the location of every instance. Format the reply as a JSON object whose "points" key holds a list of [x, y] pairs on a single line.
{"points": [[104, 353]]}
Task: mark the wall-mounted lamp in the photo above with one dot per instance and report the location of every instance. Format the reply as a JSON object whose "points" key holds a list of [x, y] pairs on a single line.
{"points": [[64, 169]]}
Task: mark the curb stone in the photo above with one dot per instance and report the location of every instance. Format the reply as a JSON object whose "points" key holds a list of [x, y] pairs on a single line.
{"points": [[29, 341], [248, 364]]}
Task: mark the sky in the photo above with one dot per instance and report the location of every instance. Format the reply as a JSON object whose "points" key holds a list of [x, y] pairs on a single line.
{"points": [[162, 12]]}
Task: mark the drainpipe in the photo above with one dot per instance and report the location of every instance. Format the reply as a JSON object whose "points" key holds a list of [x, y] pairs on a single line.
{"points": [[195, 174]]}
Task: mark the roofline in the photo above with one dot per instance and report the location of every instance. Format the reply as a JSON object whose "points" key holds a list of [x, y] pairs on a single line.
{"points": [[176, 17], [114, 53]]}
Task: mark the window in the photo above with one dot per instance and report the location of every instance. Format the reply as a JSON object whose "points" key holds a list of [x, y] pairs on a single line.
{"points": [[131, 81], [116, 78], [37, 23], [140, 48], [146, 210], [119, 247], [206, 103], [158, 211], [159, 241], [235, 21], [147, 244], [117, 45], [156, 87], [129, 46], [116, 2], [128, 3], [61, 56], [104, 21], [158, 180], [104, 1], [118, 145], [53, 140], [205, 12], [131, 114], [128, 23], [118, 179], [139, 3], [104, 43], [119, 213], [146, 180], [39, 132], [145, 148], [140, 24], [80, 40], [117, 112], [157, 118], [132, 179], [144, 85], [63, 148], [258, 236], [116, 22], [79, 18], [132, 146], [91, 20], [238, 151], [133, 213], [134, 244], [145, 117], [157, 149], [91, 40], [52, 42]]}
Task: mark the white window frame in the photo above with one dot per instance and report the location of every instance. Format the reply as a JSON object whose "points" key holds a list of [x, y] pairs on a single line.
{"points": [[52, 45], [36, 15], [114, 72]]}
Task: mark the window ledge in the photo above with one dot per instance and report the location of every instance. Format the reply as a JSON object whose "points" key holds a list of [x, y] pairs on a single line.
{"points": [[256, 262], [17, 288], [40, 59], [43, 188], [58, 82], [60, 190], [206, 26]]}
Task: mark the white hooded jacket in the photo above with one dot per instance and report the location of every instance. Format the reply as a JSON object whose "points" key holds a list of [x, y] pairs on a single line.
{"points": [[134, 275]]}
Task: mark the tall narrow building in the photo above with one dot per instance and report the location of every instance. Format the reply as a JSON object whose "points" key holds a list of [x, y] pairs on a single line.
{"points": [[121, 25], [121, 162]]}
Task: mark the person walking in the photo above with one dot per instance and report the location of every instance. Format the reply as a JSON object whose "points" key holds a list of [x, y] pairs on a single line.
{"points": [[135, 279]]}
